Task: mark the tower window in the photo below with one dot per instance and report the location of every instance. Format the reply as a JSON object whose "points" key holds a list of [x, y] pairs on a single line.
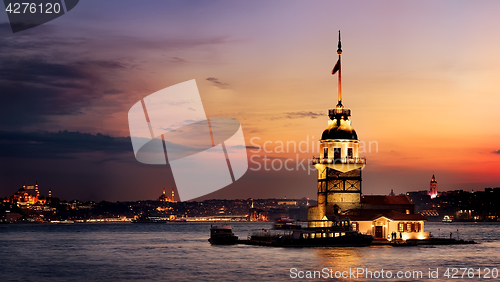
{"points": [[336, 153], [349, 153], [325, 153]]}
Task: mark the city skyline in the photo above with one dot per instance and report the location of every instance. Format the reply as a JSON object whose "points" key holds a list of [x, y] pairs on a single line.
{"points": [[420, 79]]}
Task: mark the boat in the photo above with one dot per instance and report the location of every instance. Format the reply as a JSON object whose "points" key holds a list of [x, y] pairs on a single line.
{"points": [[340, 234], [222, 235], [148, 219], [4, 221], [447, 219], [62, 221], [285, 223]]}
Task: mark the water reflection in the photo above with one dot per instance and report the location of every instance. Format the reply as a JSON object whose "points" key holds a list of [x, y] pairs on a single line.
{"points": [[181, 252]]}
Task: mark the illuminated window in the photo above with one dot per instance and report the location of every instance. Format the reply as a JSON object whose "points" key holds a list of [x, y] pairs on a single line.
{"points": [[407, 211], [400, 227], [339, 109], [349, 153], [336, 153]]}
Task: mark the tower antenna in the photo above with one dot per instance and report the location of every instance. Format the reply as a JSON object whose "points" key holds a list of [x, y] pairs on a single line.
{"points": [[339, 69], [339, 51]]}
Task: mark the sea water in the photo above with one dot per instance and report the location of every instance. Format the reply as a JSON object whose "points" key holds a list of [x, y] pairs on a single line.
{"points": [[181, 252]]}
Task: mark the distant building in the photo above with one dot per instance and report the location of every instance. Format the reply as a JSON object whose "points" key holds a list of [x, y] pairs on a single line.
{"points": [[258, 215], [339, 185], [164, 198], [27, 195], [458, 205], [433, 190], [287, 202], [8, 216]]}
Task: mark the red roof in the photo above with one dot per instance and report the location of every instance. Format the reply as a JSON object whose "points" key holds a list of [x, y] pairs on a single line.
{"points": [[394, 215], [372, 214]]}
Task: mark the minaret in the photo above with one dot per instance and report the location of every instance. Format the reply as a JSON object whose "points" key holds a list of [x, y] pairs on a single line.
{"points": [[339, 165], [50, 193], [36, 190], [433, 190], [163, 191], [173, 195]]}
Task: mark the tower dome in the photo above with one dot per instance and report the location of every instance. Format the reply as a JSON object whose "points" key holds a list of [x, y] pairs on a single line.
{"points": [[339, 130]]}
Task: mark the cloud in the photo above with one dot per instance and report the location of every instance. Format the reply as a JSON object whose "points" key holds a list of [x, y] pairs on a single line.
{"points": [[217, 82], [35, 88], [48, 37], [496, 152], [304, 114], [60, 145], [43, 39], [113, 91], [48, 75], [253, 147], [72, 145], [176, 60]]}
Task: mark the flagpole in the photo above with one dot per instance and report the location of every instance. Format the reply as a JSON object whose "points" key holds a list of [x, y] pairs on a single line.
{"points": [[339, 51]]}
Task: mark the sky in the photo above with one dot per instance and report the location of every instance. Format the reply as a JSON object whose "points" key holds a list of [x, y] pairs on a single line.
{"points": [[420, 77]]}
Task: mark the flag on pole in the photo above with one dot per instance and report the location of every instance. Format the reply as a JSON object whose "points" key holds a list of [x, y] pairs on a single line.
{"points": [[336, 67]]}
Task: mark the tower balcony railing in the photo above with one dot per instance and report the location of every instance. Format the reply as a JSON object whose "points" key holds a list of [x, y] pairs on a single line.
{"points": [[342, 112], [346, 160]]}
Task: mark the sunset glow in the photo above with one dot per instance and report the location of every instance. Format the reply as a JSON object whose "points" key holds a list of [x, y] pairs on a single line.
{"points": [[421, 80]]}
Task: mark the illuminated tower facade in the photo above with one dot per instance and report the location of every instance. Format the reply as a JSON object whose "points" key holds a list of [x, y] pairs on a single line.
{"points": [[433, 190], [339, 165]]}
